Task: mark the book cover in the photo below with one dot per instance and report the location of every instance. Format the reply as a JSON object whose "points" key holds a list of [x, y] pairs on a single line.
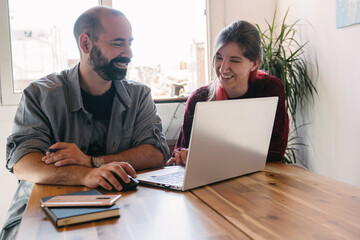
{"points": [[63, 216]]}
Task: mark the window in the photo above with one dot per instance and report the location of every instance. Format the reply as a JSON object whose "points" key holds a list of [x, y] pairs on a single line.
{"points": [[168, 44], [41, 41], [168, 49]]}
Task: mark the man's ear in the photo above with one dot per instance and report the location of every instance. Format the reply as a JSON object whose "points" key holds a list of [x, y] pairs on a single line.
{"points": [[85, 43]]}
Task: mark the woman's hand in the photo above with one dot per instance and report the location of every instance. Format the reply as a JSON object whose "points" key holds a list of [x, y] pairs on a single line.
{"points": [[179, 157], [66, 154]]}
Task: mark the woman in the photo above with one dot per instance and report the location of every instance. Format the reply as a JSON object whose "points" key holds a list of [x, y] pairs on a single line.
{"points": [[237, 56]]}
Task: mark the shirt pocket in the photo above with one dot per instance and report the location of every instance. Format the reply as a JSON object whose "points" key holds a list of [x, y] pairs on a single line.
{"points": [[122, 141]]}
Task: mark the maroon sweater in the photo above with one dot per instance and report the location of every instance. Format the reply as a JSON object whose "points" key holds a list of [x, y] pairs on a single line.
{"points": [[265, 86]]}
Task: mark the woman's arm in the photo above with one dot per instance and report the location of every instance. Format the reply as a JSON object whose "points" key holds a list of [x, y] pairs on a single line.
{"points": [[280, 133]]}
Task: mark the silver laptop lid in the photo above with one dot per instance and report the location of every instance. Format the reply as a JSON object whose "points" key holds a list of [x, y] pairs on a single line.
{"points": [[229, 139]]}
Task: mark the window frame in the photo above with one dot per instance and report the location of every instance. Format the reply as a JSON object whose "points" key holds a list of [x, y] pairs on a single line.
{"points": [[7, 94]]}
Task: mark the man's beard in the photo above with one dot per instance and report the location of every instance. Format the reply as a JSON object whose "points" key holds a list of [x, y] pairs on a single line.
{"points": [[107, 70]]}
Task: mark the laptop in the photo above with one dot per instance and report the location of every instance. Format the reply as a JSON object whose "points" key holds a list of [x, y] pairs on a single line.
{"points": [[228, 139]]}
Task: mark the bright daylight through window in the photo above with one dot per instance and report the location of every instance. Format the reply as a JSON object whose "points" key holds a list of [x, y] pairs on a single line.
{"points": [[168, 46]]}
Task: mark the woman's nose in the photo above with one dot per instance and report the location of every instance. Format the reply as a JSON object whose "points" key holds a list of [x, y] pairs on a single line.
{"points": [[224, 66]]}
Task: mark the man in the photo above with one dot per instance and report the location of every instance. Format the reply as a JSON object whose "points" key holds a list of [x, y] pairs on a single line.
{"points": [[95, 123]]}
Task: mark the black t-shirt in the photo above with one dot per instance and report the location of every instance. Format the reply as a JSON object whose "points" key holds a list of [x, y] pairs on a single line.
{"points": [[100, 107]]}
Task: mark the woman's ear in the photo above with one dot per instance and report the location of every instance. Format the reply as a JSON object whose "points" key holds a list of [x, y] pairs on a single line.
{"points": [[255, 65], [85, 43]]}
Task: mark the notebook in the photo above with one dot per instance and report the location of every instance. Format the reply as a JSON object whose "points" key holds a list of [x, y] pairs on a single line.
{"points": [[63, 216], [228, 139]]}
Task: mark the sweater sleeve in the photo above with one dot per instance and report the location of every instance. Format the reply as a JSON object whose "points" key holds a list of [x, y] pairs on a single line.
{"points": [[184, 136], [280, 133]]}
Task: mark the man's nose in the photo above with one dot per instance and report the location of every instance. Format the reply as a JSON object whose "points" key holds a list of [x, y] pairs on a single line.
{"points": [[127, 52]]}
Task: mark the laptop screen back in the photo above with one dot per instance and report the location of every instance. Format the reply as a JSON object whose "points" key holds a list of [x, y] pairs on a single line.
{"points": [[229, 139]]}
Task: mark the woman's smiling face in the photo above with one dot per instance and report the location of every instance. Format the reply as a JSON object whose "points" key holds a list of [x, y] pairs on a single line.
{"points": [[233, 69]]}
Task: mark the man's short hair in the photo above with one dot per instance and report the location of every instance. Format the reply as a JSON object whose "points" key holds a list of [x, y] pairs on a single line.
{"points": [[89, 22]]}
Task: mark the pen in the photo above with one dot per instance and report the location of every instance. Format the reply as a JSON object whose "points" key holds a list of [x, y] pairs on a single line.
{"points": [[52, 150]]}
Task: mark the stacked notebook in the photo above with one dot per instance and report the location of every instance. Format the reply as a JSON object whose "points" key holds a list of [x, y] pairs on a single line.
{"points": [[63, 216]]}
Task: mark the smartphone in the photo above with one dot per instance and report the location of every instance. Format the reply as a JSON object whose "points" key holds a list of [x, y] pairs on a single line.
{"points": [[81, 201]]}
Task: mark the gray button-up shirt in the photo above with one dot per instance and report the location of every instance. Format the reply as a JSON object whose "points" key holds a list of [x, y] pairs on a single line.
{"points": [[51, 110]]}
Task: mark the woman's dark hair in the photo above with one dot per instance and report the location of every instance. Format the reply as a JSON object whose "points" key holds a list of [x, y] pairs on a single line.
{"points": [[246, 36]]}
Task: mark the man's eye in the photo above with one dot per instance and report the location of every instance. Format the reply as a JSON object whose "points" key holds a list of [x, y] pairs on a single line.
{"points": [[235, 61], [117, 44], [218, 58]]}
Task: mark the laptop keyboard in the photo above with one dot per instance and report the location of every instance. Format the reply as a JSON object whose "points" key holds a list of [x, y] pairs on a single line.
{"points": [[175, 178]]}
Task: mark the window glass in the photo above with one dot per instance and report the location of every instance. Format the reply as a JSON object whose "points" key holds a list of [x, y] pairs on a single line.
{"points": [[168, 47], [42, 41]]}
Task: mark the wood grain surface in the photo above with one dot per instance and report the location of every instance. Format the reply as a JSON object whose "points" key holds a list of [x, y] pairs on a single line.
{"points": [[281, 202], [147, 213], [286, 202]]}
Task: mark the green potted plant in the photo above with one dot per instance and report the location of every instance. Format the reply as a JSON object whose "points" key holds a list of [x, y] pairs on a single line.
{"points": [[283, 57]]}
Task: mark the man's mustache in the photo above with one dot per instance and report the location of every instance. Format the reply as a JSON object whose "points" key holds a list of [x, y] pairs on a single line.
{"points": [[121, 59]]}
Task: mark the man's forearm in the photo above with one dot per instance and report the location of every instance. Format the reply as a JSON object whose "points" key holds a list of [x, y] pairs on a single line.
{"points": [[31, 168], [141, 157]]}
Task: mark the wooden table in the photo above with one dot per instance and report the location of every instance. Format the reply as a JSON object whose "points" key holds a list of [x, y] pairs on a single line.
{"points": [[281, 202]]}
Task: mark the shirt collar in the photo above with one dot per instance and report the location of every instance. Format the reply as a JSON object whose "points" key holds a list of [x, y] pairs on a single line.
{"points": [[76, 102], [122, 93]]}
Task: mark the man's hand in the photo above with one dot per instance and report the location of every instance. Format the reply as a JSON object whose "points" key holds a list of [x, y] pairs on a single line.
{"points": [[104, 175], [179, 157], [67, 153]]}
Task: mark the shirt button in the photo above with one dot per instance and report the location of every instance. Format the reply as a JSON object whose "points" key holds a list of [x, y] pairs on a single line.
{"points": [[11, 145]]}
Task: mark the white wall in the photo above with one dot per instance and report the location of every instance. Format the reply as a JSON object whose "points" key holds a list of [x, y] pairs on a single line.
{"points": [[334, 134]]}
